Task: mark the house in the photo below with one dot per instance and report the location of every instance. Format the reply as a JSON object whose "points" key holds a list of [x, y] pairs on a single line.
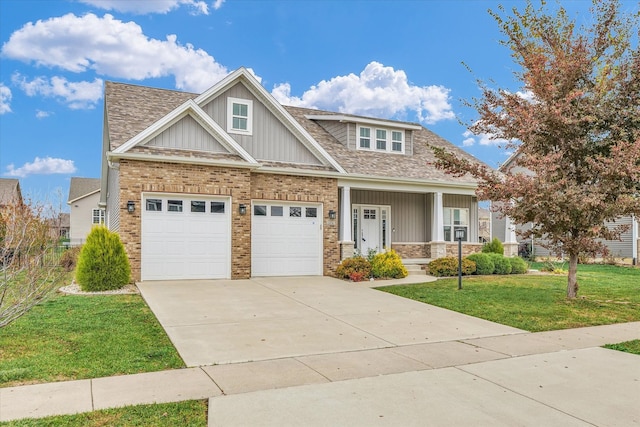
{"points": [[10, 193], [625, 249], [59, 226], [84, 212], [231, 184]]}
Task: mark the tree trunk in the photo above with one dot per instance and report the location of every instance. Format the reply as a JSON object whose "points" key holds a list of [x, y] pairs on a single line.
{"points": [[572, 280]]}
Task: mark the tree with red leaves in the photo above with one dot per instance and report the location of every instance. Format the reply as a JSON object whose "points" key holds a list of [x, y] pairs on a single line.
{"points": [[575, 126]]}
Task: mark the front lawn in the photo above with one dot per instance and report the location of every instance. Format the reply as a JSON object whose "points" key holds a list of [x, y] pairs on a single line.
{"points": [[608, 294], [72, 337], [628, 347], [189, 414]]}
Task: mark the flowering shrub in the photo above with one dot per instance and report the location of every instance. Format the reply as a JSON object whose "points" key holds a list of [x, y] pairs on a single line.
{"points": [[388, 265], [356, 269]]}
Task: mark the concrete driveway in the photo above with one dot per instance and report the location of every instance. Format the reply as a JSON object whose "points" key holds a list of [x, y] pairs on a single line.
{"points": [[223, 321]]}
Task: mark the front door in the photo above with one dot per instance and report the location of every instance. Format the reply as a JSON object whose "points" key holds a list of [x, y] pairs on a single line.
{"points": [[370, 230]]}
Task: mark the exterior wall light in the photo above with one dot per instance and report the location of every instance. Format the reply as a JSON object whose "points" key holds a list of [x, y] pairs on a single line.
{"points": [[242, 208], [131, 206], [332, 214]]}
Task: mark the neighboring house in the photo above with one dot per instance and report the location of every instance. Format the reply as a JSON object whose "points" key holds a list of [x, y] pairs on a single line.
{"points": [[484, 224], [626, 249], [10, 193], [84, 195], [59, 227], [231, 184]]}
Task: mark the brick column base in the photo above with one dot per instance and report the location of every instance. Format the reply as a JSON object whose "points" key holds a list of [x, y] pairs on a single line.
{"points": [[346, 250], [438, 250], [510, 249]]}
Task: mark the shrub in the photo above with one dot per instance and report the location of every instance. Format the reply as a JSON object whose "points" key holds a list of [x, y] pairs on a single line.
{"points": [[518, 265], [102, 264], [501, 264], [69, 258], [388, 265], [448, 266], [484, 263], [493, 247], [356, 269]]}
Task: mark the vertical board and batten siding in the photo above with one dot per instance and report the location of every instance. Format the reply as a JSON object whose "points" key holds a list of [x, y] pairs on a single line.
{"points": [[465, 202], [113, 201], [187, 134], [270, 139], [428, 213], [408, 212]]}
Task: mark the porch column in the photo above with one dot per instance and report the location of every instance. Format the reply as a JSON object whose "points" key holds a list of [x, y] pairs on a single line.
{"points": [[438, 245], [346, 236], [510, 241]]}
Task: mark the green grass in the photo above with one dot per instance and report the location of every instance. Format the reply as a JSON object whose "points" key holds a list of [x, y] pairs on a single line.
{"points": [[628, 347], [608, 294], [189, 414], [75, 337]]}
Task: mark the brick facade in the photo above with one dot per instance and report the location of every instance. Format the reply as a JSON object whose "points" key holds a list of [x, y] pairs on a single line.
{"points": [[412, 250], [467, 249], [137, 177]]}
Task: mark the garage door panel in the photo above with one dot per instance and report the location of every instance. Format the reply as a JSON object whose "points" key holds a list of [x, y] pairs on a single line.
{"points": [[185, 245], [285, 245]]}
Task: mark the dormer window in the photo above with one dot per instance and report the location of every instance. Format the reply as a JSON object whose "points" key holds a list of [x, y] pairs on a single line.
{"points": [[239, 116], [391, 141]]}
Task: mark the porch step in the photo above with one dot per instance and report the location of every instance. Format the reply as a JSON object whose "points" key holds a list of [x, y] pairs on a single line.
{"points": [[415, 270]]}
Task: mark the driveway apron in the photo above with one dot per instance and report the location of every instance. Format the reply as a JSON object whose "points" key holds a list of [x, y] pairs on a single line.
{"points": [[224, 321]]}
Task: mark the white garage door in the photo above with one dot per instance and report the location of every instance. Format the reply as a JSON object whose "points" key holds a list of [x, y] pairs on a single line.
{"points": [[185, 237], [286, 239]]}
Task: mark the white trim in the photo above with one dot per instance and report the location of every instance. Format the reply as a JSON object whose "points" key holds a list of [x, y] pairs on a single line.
{"points": [[230, 116], [373, 139], [364, 120], [383, 236], [346, 220], [83, 196], [364, 182], [178, 159], [437, 224]]}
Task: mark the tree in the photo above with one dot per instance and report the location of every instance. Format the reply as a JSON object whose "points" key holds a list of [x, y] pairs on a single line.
{"points": [[574, 123], [28, 266], [102, 264]]}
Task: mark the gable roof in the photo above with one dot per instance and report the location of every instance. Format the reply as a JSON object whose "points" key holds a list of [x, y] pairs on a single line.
{"points": [[10, 191], [82, 187]]}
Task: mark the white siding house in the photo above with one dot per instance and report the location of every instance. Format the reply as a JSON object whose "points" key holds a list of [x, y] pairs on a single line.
{"points": [[84, 195]]}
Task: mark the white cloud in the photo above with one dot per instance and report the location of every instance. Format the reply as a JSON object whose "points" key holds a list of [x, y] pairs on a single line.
{"points": [[217, 4], [481, 139], [142, 7], [77, 95], [42, 114], [5, 99], [378, 91], [42, 166], [113, 48]]}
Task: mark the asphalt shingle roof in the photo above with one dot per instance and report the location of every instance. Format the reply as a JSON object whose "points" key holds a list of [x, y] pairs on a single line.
{"points": [[131, 109], [9, 191], [80, 187]]}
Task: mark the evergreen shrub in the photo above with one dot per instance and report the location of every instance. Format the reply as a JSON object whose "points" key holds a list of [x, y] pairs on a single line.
{"points": [[502, 264], [518, 265], [102, 264], [493, 247], [448, 266], [388, 265], [484, 263]]}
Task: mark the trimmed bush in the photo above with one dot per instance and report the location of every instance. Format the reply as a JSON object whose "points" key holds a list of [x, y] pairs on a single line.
{"points": [[518, 265], [102, 264], [493, 247], [388, 265], [69, 258], [357, 269], [484, 263], [501, 264], [448, 266]]}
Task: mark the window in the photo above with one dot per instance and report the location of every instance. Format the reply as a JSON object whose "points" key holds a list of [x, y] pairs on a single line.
{"points": [[390, 141], [365, 138], [260, 210], [239, 116], [174, 205], [311, 212], [381, 139], [198, 206], [295, 212], [154, 205], [396, 141], [456, 220], [97, 216], [217, 207], [276, 211]]}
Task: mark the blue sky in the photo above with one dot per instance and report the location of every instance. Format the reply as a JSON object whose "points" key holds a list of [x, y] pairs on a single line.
{"points": [[390, 59]]}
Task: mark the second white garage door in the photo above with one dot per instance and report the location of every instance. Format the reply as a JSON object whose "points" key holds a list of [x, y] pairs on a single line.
{"points": [[185, 237], [286, 239]]}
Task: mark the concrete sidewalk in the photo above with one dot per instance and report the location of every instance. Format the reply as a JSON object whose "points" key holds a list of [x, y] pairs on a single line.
{"points": [[550, 378]]}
